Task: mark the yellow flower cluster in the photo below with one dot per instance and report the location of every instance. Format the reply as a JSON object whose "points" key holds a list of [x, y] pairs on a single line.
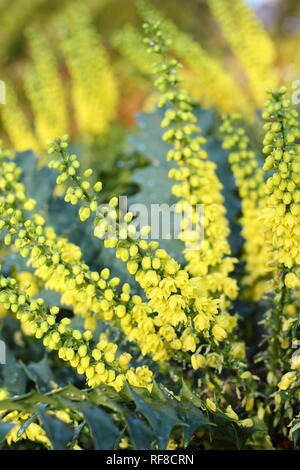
{"points": [[99, 363], [33, 431], [15, 123], [244, 32], [92, 81], [170, 291], [44, 88], [59, 264], [94, 88], [282, 214], [198, 186], [249, 180], [282, 222], [205, 77], [177, 314], [184, 318]]}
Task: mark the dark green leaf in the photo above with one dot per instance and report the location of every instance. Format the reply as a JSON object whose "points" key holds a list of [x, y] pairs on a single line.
{"points": [[59, 433], [141, 434], [13, 375], [162, 416], [227, 434], [27, 423], [194, 418], [77, 432], [103, 431], [4, 430], [41, 374]]}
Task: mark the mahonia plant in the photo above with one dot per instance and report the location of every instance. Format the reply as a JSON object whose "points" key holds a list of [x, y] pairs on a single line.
{"points": [[186, 316], [184, 321]]}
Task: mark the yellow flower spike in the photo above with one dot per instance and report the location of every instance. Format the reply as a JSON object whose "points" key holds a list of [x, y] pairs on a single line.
{"points": [[24, 278], [249, 180], [44, 89], [281, 219], [243, 37], [93, 84]]}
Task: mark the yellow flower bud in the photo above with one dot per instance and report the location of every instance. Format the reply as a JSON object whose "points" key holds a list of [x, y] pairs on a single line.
{"points": [[211, 405], [198, 361], [291, 281], [230, 413]]}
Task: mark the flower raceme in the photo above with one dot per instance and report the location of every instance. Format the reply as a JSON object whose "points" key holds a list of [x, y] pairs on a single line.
{"points": [[196, 176], [282, 222], [249, 180], [206, 77], [59, 264], [282, 214], [181, 313], [185, 321], [99, 364], [243, 36]]}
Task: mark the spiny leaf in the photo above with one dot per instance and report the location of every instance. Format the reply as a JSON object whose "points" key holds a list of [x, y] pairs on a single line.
{"points": [[141, 434], [162, 417], [59, 433], [187, 395], [5, 428], [228, 434], [194, 419], [103, 430], [27, 423], [41, 374]]}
